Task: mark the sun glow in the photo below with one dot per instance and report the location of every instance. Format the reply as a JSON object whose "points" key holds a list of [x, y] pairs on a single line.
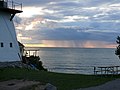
{"points": [[71, 43], [30, 11], [35, 45]]}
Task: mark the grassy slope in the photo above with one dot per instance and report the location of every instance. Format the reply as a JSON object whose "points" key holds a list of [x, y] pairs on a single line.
{"points": [[61, 81]]}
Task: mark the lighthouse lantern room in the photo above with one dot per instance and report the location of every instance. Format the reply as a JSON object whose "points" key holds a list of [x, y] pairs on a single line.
{"points": [[9, 48]]}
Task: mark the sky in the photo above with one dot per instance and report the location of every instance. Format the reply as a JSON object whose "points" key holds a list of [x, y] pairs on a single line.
{"points": [[69, 23]]}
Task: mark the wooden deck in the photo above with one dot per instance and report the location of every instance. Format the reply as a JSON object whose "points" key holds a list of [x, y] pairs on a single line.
{"points": [[107, 70]]}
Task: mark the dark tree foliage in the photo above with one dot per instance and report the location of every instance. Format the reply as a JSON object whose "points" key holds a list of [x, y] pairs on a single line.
{"points": [[33, 61], [117, 51]]}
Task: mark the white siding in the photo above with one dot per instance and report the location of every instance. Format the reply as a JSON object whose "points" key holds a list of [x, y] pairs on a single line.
{"points": [[7, 36]]}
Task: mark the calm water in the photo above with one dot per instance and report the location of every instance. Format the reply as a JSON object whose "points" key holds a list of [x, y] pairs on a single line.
{"points": [[77, 60]]}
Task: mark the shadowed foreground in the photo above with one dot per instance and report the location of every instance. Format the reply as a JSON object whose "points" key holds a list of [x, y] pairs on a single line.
{"points": [[20, 85], [111, 85], [60, 80]]}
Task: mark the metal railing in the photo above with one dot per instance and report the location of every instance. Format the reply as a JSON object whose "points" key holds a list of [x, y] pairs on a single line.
{"points": [[14, 5]]}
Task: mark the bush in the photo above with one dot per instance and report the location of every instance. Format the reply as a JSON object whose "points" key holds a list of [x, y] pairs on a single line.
{"points": [[34, 61]]}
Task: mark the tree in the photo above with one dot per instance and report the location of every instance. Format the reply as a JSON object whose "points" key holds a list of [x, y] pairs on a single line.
{"points": [[117, 51]]}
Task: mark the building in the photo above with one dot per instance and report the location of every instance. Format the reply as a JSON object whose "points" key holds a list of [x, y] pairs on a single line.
{"points": [[9, 48]]}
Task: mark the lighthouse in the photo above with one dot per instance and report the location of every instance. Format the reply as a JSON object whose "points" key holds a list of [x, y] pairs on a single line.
{"points": [[9, 48]]}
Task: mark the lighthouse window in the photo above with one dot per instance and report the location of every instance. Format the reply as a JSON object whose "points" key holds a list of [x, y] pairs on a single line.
{"points": [[11, 45], [1, 44]]}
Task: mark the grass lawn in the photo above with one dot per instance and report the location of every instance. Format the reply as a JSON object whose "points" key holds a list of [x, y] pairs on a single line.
{"points": [[60, 80]]}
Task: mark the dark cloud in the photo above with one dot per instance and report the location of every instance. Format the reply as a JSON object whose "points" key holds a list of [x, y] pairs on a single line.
{"points": [[71, 34]]}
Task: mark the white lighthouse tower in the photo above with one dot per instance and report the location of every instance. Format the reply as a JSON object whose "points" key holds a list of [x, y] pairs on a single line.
{"points": [[9, 49]]}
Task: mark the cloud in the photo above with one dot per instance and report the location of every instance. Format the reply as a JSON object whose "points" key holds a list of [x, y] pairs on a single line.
{"points": [[29, 23], [86, 21], [31, 11], [35, 2]]}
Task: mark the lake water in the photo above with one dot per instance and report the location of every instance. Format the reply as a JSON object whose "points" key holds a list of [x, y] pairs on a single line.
{"points": [[77, 60]]}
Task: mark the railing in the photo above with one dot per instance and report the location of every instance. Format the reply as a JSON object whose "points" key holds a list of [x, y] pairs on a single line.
{"points": [[14, 5], [106, 70]]}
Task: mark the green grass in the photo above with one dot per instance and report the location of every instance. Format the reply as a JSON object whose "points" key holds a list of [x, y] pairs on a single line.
{"points": [[60, 80]]}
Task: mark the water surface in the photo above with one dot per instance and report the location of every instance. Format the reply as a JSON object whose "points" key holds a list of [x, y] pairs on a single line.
{"points": [[77, 60]]}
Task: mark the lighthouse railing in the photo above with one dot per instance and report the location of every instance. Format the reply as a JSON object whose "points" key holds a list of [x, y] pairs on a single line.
{"points": [[14, 5]]}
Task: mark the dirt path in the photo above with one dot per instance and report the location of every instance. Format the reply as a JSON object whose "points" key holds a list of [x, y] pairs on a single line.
{"points": [[18, 84], [111, 85]]}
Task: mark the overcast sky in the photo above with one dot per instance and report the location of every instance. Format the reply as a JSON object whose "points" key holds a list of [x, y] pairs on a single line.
{"points": [[69, 23]]}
